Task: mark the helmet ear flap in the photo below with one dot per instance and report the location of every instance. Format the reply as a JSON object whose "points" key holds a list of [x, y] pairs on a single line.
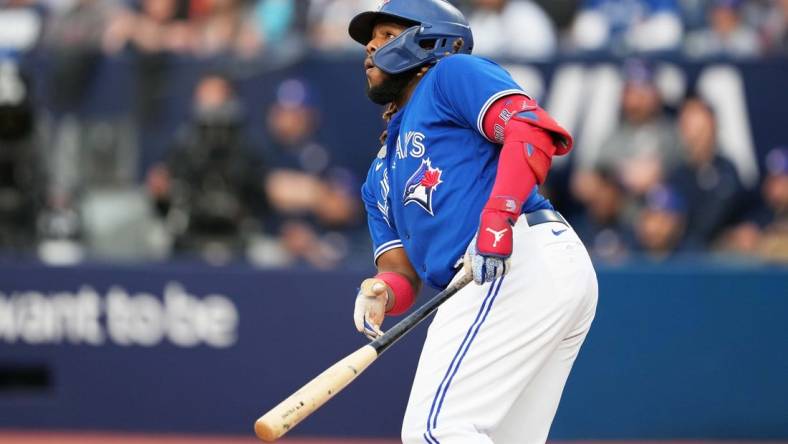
{"points": [[421, 45], [444, 35], [403, 53]]}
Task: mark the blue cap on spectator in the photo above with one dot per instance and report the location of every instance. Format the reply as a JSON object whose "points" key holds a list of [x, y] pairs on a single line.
{"points": [[664, 198], [777, 161], [638, 71], [295, 93]]}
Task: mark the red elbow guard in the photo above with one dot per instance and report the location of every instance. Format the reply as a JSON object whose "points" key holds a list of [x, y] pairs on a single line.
{"points": [[404, 296], [530, 138], [500, 114], [532, 146]]}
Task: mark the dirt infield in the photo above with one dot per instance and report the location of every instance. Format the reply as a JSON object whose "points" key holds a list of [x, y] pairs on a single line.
{"points": [[20, 437], [17, 437]]}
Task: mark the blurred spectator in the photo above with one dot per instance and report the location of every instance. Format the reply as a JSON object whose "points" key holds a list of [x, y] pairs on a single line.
{"points": [[707, 181], [225, 26], [727, 35], [328, 22], [512, 28], [211, 187], [21, 23], [82, 153], [561, 12], [153, 33], [20, 179], [765, 231], [775, 28], [282, 23], [622, 26], [660, 224], [208, 28], [275, 19], [604, 227], [157, 26], [694, 13], [73, 44], [314, 198], [644, 146]]}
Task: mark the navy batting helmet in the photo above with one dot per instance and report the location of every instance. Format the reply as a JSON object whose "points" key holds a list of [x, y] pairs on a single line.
{"points": [[436, 25]]}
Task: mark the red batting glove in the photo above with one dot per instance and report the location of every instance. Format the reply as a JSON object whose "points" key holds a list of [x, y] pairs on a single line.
{"points": [[487, 257], [494, 238]]}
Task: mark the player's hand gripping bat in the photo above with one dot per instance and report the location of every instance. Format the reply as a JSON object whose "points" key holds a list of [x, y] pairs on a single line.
{"points": [[280, 419]]}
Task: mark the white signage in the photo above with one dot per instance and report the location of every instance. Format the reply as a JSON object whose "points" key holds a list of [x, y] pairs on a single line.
{"points": [[118, 317]]}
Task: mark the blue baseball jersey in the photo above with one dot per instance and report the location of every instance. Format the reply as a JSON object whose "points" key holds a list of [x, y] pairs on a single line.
{"points": [[426, 189]]}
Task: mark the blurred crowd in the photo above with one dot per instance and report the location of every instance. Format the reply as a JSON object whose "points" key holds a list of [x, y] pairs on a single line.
{"points": [[71, 187], [660, 187], [519, 28]]}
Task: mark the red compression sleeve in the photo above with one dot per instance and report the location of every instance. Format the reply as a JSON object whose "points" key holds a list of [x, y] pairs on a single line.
{"points": [[526, 154], [404, 296]]}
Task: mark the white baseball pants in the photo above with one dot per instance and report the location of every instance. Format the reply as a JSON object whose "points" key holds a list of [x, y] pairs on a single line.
{"points": [[497, 356]]}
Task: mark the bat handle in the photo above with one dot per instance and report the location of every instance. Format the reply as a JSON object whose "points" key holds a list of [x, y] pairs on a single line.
{"points": [[407, 324]]}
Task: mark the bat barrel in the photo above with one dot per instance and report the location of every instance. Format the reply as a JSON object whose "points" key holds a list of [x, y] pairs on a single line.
{"points": [[280, 419]]}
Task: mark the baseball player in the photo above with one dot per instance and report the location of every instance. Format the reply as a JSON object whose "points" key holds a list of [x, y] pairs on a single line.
{"points": [[453, 190]]}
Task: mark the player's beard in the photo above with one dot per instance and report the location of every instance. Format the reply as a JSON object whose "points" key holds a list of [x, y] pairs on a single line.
{"points": [[391, 87]]}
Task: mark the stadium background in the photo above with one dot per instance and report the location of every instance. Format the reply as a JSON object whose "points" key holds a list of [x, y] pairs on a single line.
{"points": [[182, 238]]}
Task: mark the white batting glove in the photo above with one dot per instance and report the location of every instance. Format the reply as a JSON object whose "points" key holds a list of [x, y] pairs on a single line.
{"points": [[370, 309], [483, 268]]}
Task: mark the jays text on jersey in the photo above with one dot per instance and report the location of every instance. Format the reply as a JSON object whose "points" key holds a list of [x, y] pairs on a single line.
{"points": [[429, 183]]}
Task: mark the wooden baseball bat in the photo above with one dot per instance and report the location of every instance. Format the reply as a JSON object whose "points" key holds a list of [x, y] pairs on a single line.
{"points": [[282, 418]]}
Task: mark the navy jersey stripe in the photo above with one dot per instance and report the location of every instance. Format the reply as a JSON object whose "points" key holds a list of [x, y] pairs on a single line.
{"points": [[470, 335]]}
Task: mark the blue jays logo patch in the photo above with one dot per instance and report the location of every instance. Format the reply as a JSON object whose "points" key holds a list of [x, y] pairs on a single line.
{"points": [[421, 185]]}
